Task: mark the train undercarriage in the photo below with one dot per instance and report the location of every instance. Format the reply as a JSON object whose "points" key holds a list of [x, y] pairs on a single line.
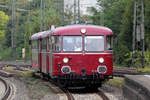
{"points": [[71, 80]]}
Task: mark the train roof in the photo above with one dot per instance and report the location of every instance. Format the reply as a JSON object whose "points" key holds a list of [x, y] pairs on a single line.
{"points": [[76, 30], [40, 35]]}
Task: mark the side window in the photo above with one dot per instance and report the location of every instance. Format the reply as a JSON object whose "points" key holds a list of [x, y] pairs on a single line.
{"points": [[43, 44], [34, 44], [56, 43], [50, 44], [109, 43], [47, 44]]}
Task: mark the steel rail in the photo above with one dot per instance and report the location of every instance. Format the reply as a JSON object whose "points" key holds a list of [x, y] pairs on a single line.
{"points": [[101, 94], [68, 94], [7, 91], [55, 87]]}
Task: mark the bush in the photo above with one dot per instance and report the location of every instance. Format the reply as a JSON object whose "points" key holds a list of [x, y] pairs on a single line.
{"points": [[116, 82], [26, 74], [145, 70], [5, 53], [138, 58], [9, 68]]}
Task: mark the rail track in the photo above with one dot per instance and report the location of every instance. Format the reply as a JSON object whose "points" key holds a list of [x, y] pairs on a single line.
{"points": [[102, 95], [5, 89], [118, 72], [69, 95], [56, 88], [64, 92]]}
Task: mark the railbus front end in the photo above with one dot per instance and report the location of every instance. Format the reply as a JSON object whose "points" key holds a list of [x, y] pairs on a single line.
{"points": [[83, 55]]}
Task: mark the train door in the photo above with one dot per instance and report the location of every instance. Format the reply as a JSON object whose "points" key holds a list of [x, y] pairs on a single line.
{"points": [[50, 56], [56, 47], [47, 56], [35, 55], [39, 55], [43, 46]]}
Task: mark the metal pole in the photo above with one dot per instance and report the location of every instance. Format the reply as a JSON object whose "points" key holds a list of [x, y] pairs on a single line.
{"points": [[41, 16], [44, 15], [102, 14], [142, 34], [62, 12], [133, 34], [13, 30], [27, 36], [75, 11], [78, 11]]}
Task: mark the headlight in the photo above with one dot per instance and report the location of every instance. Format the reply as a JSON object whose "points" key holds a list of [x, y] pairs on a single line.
{"points": [[101, 60], [102, 69], [65, 60], [66, 69]]}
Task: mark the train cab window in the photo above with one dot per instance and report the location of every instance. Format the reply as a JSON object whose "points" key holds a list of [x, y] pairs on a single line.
{"points": [[72, 43], [56, 43], [34, 44], [94, 43], [109, 43]]}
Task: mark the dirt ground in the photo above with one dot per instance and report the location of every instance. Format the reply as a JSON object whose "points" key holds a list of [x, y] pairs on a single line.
{"points": [[31, 89], [113, 89]]}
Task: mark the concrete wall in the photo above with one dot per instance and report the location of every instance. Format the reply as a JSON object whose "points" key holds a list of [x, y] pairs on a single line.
{"points": [[135, 87]]}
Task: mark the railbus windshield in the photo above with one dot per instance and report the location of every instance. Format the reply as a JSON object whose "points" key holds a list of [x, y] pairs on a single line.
{"points": [[94, 43], [72, 43], [91, 43]]}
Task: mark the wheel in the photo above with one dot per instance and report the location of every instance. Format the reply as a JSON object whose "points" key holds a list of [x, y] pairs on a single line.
{"points": [[62, 83], [93, 87]]}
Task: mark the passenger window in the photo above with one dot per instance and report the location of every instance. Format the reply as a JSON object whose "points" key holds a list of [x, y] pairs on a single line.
{"points": [[47, 44], [109, 44], [44, 44], [56, 43], [34, 44]]}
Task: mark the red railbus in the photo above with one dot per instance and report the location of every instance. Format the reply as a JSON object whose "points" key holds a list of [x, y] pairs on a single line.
{"points": [[74, 54]]}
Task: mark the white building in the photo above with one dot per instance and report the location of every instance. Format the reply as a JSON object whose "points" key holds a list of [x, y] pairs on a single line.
{"points": [[84, 5]]}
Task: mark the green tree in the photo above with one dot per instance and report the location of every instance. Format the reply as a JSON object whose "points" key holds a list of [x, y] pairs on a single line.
{"points": [[3, 23], [28, 23], [112, 15]]}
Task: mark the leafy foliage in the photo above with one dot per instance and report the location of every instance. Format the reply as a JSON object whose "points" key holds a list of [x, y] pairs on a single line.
{"points": [[27, 23], [145, 70], [5, 53], [138, 58], [118, 15], [3, 23]]}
